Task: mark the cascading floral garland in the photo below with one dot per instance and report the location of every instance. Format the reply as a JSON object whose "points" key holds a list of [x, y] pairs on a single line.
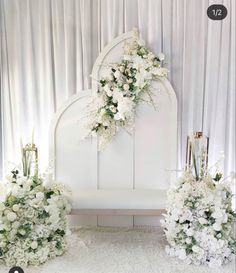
{"points": [[128, 84]]}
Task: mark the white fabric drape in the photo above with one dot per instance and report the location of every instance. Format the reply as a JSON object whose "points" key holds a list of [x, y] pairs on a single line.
{"points": [[48, 48]]}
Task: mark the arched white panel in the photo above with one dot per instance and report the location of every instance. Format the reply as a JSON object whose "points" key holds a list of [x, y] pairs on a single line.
{"points": [[73, 158], [143, 160]]}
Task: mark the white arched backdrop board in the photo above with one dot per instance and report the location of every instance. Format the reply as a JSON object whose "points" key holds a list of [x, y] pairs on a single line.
{"points": [[144, 160]]}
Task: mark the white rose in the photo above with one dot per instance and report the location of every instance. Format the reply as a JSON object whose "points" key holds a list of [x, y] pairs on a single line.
{"points": [[15, 225], [215, 262], [103, 111], [11, 216], [15, 207], [16, 190], [22, 232], [151, 56], [105, 123], [109, 93], [190, 232], [27, 185], [196, 249], [110, 77], [2, 206], [121, 68], [117, 74], [202, 221], [126, 87], [142, 50], [161, 56], [130, 80], [217, 227], [112, 108], [118, 116], [188, 241], [217, 214], [40, 195], [21, 180], [182, 254], [34, 245]]}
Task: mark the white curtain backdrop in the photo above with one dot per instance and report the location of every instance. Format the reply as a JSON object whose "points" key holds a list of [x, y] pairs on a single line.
{"points": [[48, 48]]}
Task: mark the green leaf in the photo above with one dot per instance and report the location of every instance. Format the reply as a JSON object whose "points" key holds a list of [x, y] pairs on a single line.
{"points": [[49, 194]]}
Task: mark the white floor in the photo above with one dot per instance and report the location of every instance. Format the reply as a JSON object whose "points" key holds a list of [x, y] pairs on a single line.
{"points": [[118, 250]]}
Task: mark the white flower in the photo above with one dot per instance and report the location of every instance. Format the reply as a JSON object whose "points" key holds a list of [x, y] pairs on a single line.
{"points": [[118, 116], [15, 224], [125, 107], [107, 89], [182, 254], [217, 214], [217, 226], [21, 180], [188, 240], [2, 206], [202, 221], [126, 87], [160, 71], [161, 56], [213, 248], [117, 74], [22, 231], [113, 108], [34, 245], [39, 196], [15, 207], [122, 69], [214, 262], [190, 232], [103, 111], [17, 248], [127, 57], [11, 216], [196, 249]]}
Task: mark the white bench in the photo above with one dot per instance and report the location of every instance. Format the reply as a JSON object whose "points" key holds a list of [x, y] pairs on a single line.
{"points": [[119, 202], [133, 173]]}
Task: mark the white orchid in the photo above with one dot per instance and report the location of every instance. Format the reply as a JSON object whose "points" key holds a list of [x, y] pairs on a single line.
{"points": [[124, 88]]}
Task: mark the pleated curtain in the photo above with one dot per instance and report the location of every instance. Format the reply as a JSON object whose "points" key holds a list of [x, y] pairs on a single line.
{"points": [[48, 48]]}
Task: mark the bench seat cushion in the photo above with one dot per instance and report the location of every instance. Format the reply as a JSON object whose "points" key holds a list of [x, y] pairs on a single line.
{"points": [[119, 199]]}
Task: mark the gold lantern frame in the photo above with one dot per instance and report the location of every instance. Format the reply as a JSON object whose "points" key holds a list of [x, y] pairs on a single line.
{"points": [[29, 156], [190, 157]]}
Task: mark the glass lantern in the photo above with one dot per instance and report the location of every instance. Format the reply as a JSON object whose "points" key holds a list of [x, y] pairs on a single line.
{"points": [[197, 153], [30, 160]]}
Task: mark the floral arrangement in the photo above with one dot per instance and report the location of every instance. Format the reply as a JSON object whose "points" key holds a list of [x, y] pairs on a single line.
{"points": [[199, 219], [33, 225], [128, 84]]}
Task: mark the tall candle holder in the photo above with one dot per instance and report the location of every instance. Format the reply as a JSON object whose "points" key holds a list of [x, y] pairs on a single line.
{"points": [[30, 157], [197, 153]]}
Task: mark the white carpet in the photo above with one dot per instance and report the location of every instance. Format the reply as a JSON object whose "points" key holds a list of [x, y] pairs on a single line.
{"points": [[118, 250]]}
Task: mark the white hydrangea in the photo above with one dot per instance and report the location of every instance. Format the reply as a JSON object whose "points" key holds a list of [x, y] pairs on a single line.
{"points": [[198, 222], [33, 223]]}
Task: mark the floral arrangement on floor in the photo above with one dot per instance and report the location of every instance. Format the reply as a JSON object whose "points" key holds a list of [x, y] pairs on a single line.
{"points": [[33, 225], [199, 221], [128, 84]]}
